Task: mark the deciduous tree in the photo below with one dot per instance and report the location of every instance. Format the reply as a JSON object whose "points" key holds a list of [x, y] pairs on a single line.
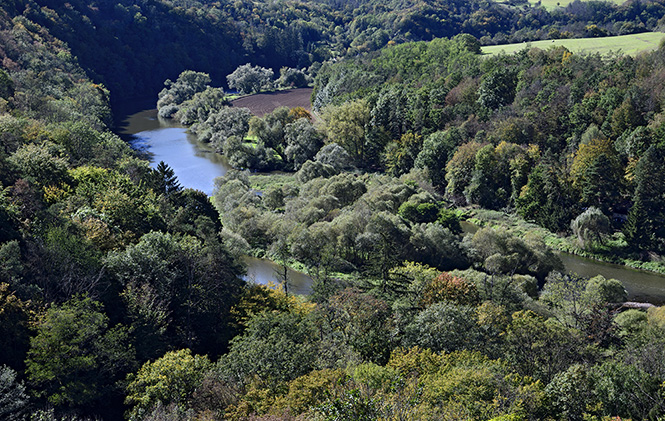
{"points": [[76, 358], [591, 227], [169, 380], [13, 399], [346, 125], [248, 79], [303, 141], [436, 151]]}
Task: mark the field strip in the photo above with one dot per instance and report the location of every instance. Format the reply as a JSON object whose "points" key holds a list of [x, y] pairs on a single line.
{"points": [[264, 103], [632, 44], [554, 4]]}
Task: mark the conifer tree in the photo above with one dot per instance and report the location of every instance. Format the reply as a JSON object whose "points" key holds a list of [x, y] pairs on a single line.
{"points": [[167, 181], [636, 229], [645, 217]]}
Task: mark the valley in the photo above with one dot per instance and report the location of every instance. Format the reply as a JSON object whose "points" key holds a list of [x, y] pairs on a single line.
{"points": [[332, 210]]}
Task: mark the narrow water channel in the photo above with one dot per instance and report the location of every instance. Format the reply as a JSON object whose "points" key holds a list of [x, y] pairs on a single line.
{"points": [[196, 168], [194, 164], [641, 285]]}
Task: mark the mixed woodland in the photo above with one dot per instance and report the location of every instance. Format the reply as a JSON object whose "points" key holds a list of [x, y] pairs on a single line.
{"points": [[423, 194], [133, 46]]}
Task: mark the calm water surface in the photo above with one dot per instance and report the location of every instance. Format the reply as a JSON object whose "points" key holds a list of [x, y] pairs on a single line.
{"points": [[640, 285], [196, 167], [164, 140], [264, 271]]}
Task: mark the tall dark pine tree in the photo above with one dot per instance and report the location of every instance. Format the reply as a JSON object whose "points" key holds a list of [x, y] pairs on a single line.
{"points": [[636, 228], [645, 220], [166, 180], [601, 183]]}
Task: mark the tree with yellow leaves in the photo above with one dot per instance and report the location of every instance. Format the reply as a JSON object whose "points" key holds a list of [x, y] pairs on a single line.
{"points": [[596, 173]]}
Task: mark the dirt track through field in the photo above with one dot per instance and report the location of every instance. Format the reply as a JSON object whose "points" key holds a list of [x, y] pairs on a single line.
{"points": [[262, 104]]}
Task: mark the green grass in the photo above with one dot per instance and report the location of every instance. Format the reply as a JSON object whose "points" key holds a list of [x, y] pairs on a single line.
{"points": [[553, 4], [233, 97], [261, 182], [627, 44]]}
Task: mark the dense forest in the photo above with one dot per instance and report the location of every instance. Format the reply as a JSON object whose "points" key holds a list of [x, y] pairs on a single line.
{"points": [[423, 195], [133, 46]]}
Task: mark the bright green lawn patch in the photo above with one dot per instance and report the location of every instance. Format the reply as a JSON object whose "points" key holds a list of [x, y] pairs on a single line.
{"points": [[626, 44], [553, 4], [261, 182]]}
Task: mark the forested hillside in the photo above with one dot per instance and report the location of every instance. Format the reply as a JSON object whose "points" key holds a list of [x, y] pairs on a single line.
{"points": [[555, 136], [133, 46], [549, 133], [80, 217], [121, 294]]}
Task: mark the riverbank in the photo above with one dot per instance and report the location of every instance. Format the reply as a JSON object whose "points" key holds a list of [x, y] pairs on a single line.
{"points": [[195, 165], [196, 168], [642, 284], [612, 251]]}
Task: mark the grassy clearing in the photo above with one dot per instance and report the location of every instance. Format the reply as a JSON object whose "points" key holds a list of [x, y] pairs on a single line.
{"points": [[553, 4], [262, 181], [626, 44], [233, 97]]}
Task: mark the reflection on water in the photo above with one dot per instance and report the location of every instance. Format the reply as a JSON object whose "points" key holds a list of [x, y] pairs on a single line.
{"points": [[196, 167], [641, 286], [264, 271], [165, 140]]}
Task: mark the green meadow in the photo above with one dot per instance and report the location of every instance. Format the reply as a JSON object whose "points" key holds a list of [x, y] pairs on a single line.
{"points": [[553, 4], [627, 44]]}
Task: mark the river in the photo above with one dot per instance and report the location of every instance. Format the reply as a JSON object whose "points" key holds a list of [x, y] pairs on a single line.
{"points": [[641, 285], [264, 271], [196, 167]]}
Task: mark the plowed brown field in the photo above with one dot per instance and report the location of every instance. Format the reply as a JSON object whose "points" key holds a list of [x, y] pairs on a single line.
{"points": [[262, 104]]}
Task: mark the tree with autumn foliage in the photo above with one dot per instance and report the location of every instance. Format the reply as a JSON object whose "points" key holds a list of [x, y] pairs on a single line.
{"points": [[447, 287], [596, 172]]}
